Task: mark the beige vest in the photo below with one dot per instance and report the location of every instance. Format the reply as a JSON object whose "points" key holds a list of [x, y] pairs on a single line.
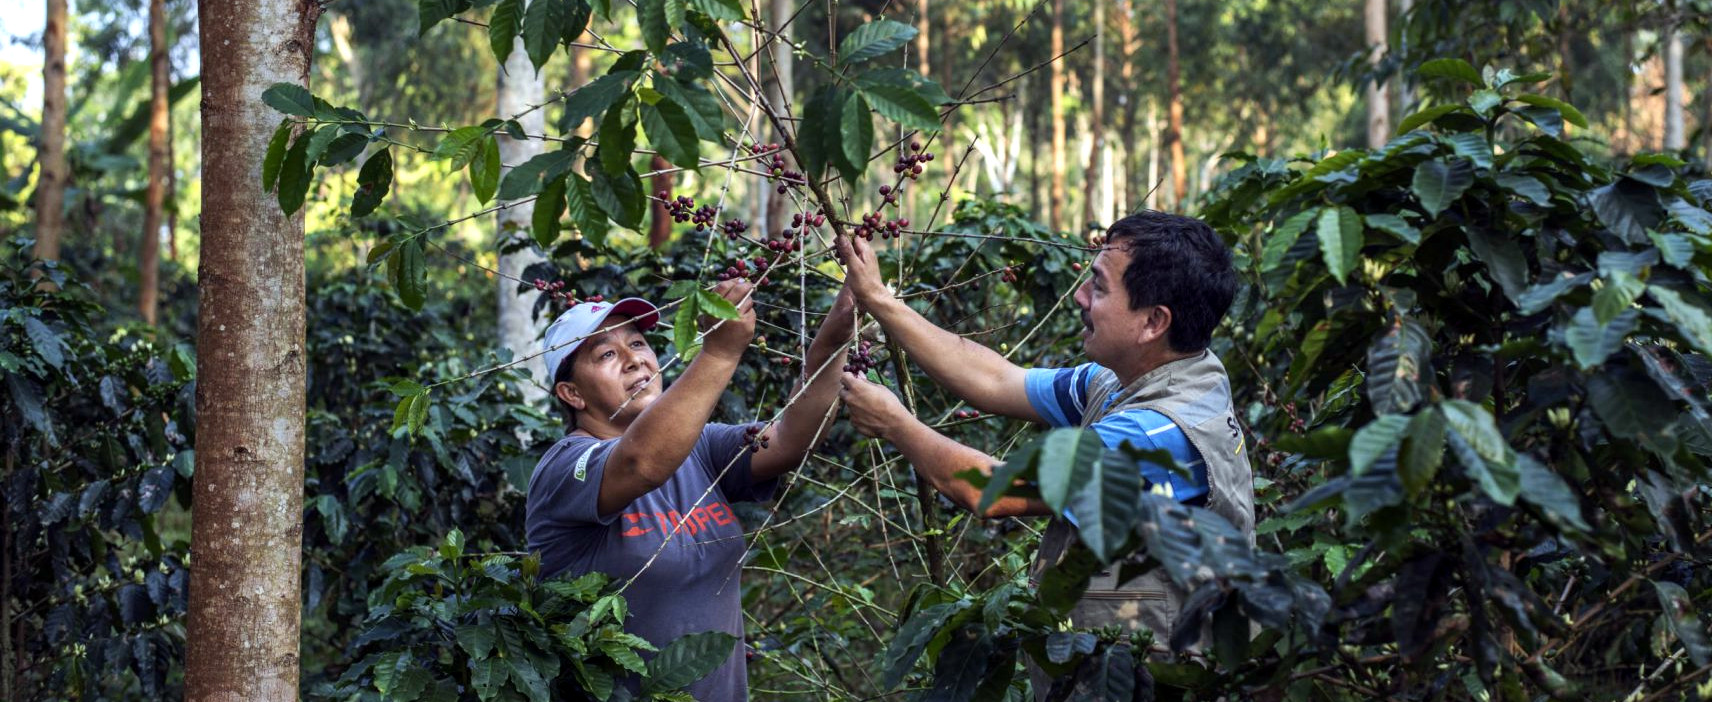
{"points": [[1194, 393]]}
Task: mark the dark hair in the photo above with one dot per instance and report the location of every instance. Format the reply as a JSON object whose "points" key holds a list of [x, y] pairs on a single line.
{"points": [[1181, 263]]}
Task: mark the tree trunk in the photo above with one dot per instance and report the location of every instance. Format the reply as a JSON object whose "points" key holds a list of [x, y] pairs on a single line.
{"points": [[1405, 89], [520, 88], [1174, 125], [1129, 43], [1378, 94], [922, 65], [154, 201], [783, 86], [1706, 125], [247, 518], [1565, 79], [1094, 207], [660, 220], [50, 179], [1675, 137], [1154, 141], [1056, 93]]}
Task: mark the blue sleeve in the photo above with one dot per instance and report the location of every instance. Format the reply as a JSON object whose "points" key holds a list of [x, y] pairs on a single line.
{"points": [[1059, 395], [723, 452], [565, 488], [1150, 430]]}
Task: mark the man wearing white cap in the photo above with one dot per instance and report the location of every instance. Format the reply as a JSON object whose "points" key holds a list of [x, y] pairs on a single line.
{"points": [[641, 487]]}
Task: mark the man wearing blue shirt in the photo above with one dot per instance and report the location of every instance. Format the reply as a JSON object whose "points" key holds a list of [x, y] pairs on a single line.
{"points": [[1155, 293]]}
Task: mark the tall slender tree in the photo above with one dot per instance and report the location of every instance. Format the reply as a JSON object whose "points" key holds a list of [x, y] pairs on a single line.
{"points": [[247, 513], [1093, 203], [520, 88], [1675, 133], [1174, 116], [1055, 92], [51, 177], [154, 199], [1129, 44], [1378, 92]]}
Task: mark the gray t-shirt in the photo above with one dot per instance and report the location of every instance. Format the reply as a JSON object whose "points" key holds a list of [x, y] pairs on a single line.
{"points": [[692, 585]]}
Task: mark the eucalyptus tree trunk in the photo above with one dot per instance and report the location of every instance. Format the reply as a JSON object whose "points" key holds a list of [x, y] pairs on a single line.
{"points": [[659, 218], [247, 509], [1675, 136], [924, 66], [50, 180], [1378, 93], [1174, 116], [154, 199], [1055, 92], [520, 88], [1093, 183], [1129, 42], [783, 84]]}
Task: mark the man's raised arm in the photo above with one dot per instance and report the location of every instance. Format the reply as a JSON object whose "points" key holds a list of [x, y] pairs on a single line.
{"points": [[969, 370]]}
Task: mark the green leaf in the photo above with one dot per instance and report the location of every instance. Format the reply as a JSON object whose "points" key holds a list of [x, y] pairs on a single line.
{"points": [[1618, 295], [686, 61], [45, 342], [713, 305], [374, 181], [873, 40], [1543, 295], [619, 195], [275, 155], [1682, 615], [651, 15], [1340, 241], [595, 98], [1570, 114], [672, 133], [1630, 405], [1370, 441], [453, 545], [702, 106], [1545, 489], [461, 145], [823, 108], [675, 12], [1526, 186], [928, 88], [577, 23], [544, 25], [1503, 259], [1438, 183], [1484, 102], [617, 138], [1675, 249], [484, 170], [345, 147], [502, 29], [1628, 207], [408, 274], [1423, 451], [387, 667], [1066, 461], [531, 176], [1472, 146], [544, 220], [1690, 315], [407, 388], [1453, 68], [1399, 367], [902, 105], [1426, 116], [432, 12], [1493, 463], [1105, 505], [684, 326], [624, 656], [418, 412], [1395, 226], [585, 213], [688, 659], [912, 638], [856, 131], [1592, 341], [291, 99], [295, 176], [721, 10], [1284, 236]]}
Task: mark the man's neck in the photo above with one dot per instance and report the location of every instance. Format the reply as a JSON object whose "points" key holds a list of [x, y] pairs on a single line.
{"points": [[598, 428], [1147, 363]]}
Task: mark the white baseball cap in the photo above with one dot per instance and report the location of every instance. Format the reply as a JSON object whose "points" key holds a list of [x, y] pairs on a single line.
{"points": [[578, 323]]}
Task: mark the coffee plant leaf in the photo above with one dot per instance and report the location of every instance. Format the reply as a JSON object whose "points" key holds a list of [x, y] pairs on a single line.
{"points": [[296, 174], [1427, 116], [856, 134], [873, 40], [911, 640], [672, 133], [529, 177], [484, 170], [901, 104], [586, 214], [1373, 440], [1339, 230], [1680, 614], [1452, 68], [544, 217], [595, 98], [1065, 461], [503, 27], [290, 98], [275, 156], [1438, 183], [651, 16], [687, 659]]}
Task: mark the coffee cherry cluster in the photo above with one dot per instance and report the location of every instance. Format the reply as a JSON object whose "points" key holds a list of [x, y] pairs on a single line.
{"points": [[909, 163], [733, 228], [862, 359], [966, 414], [680, 210], [756, 439], [777, 169], [742, 268], [556, 289], [890, 195], [874, 223], [1008, 274]]}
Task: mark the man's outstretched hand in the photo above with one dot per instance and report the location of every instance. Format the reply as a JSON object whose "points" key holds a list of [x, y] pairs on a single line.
{"points": [[862, 272], [873, 409]]}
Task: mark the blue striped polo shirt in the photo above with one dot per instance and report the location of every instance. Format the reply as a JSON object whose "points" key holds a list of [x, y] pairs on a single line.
{"points": [[1060, 396]]}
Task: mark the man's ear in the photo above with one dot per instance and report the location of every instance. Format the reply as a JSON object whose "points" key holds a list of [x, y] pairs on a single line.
{"points": [[568, 393], [1155, 324]]}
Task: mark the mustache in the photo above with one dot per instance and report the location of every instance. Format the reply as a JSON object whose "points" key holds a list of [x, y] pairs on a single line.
{"points": [[1087, 321]]}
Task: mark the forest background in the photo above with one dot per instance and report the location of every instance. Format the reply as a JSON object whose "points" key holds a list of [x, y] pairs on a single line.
{"points": [[1469, 349]]}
